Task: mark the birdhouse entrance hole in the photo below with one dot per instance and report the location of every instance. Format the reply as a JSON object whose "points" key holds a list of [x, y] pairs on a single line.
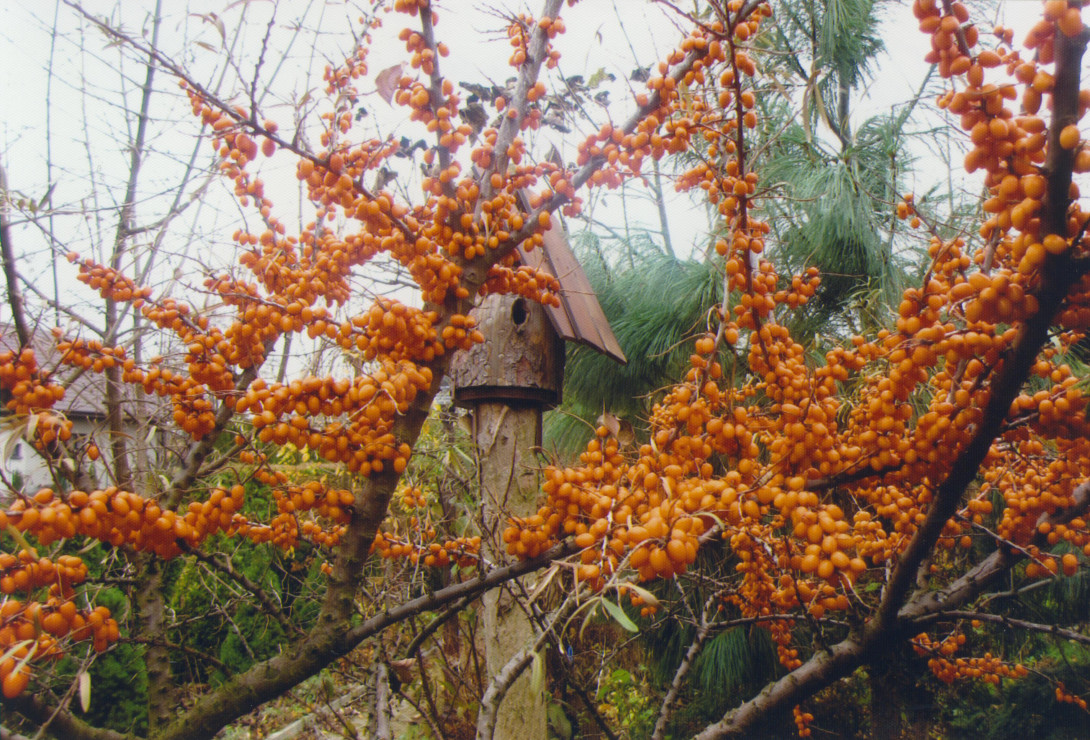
{"points": [[518, 312]]}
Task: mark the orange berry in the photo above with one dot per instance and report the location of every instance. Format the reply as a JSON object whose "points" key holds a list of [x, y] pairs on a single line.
{"points": [[660, 561], [1054, 244], [15, 683], [1070, 22], [1069, 136], [55, 624]]}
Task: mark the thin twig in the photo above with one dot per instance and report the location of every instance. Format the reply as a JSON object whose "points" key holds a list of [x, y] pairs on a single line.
{"points": [[7, 251], [683, 670], [1009, 622]]}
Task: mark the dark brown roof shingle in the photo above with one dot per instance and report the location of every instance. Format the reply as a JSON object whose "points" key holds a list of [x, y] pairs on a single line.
{"points": [[579, 318]]}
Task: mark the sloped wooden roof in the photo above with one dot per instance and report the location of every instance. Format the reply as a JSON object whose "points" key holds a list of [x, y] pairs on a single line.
{"points": [[579, 318]]}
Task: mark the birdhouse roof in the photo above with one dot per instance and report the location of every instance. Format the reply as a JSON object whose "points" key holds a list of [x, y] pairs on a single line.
{"points": [[579, 317]]}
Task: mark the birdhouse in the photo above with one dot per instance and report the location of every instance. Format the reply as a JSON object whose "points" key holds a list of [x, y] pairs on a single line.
{"points": [[521, 361]]}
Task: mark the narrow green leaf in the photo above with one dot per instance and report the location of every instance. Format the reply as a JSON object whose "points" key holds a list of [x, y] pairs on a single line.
{"points": [[20, 540], [537, 674], [618, 614]]}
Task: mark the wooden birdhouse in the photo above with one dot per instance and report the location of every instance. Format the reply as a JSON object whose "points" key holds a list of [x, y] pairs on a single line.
{"points": [[521, 361]]}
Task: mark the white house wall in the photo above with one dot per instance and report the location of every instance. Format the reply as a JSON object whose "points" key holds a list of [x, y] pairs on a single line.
{"points": [[21, 461]]}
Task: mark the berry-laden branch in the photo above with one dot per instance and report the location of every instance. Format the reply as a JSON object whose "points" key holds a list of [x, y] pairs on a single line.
{"points": [[281, 267], [1055, 281], [370, 423], [1011, 623]]}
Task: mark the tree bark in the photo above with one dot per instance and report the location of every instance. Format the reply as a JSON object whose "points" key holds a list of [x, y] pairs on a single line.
{"points": [[506, 437], [150, 624]]}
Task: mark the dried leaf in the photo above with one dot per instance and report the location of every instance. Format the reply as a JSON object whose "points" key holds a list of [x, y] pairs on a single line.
{"points": [[599, 77], [12, 437], [31, 426], [241, 2], [475, 115], [403, 669], [610, 422], [543, 583], [85, 691], [217, 23], [386, 82], [626, 435]]}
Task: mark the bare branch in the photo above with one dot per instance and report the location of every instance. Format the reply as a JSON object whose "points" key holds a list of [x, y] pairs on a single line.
{"points": [[682, 671], [62, 722], [501, 682], [222, 565], [328, 641], [382, 702], [1011, 622], [7, 252]]}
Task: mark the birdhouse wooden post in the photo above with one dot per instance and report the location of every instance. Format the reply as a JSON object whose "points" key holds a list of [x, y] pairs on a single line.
{"points": [[507, 382]]}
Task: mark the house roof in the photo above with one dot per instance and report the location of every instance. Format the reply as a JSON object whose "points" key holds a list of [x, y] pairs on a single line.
{"points": [[84, 391], [579, 318]]}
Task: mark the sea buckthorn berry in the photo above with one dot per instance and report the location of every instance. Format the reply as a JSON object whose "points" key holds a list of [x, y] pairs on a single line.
{"points": [[1069, 136]]}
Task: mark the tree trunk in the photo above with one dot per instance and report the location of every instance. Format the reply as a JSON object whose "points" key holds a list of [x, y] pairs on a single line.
{"points": [[162, 702], [885, 704], [506, 437]]}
